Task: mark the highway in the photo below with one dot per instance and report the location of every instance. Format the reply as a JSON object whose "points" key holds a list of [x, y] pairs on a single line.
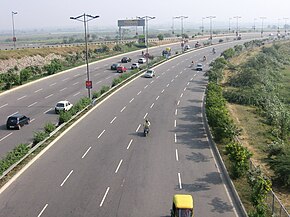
{"points": [[37, 100], [103, 166]]}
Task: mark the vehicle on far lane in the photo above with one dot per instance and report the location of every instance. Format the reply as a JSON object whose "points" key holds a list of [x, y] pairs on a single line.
{"points": [[121, 69], [62, 106], [135, 66], [125, 60], [114, 66], [17, 121], [142, 60]]}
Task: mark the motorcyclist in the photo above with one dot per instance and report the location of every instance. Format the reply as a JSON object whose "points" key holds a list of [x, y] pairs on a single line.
{"points": [[142, 53], [146, 125], [213, 50], [204, 58]]}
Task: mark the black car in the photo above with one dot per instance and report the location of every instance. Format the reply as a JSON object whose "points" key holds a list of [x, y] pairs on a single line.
{"points": [[17, 121], [115, 66], [125, 59]]}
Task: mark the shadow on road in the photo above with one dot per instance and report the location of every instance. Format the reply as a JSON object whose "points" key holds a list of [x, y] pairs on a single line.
{"points": [[220, 206]]}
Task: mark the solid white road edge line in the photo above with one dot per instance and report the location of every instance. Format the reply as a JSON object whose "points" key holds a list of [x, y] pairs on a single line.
{"points": [[105, 195], [66, 178]]}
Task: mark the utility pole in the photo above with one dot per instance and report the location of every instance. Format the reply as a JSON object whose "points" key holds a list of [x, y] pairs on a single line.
{"points": [[210, 18], [13, 30], [182, 34], [254, 27], [147, 18], [237, 31], [262, 29], [230, 25], [86, 19], [202, 26]]}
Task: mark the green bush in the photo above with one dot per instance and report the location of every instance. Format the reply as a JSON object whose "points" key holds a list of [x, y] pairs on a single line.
{"points": [[229, 53], [13, 156], [117, 47], [64, 117], [25, 74], [53, 67], [96, 94], [104, 89], [39, 136], [49, 127]]}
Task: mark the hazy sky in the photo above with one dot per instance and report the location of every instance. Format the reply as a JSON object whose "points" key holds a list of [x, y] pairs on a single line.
{"points": [[37, 14]]}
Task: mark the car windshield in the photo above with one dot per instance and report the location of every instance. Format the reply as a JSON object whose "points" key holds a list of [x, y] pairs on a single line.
{"points": [[149, 72], [12, 119], [199, 64], [59, 105]]}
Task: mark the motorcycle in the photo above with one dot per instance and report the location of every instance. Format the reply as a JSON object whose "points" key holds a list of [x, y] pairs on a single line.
{"points": [[146, 131], [204, 58]]}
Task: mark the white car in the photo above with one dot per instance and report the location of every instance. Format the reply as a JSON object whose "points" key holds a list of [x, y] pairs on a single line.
{"points": [[63, 106], [135, 66], [149, 74], [199, 67], [142, 60]]}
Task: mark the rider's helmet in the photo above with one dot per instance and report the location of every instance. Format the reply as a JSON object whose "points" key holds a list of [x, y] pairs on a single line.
{"points": [[146, 120]]}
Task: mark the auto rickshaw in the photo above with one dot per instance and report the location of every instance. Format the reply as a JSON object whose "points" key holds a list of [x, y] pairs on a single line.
{"points": [[182, 206]]}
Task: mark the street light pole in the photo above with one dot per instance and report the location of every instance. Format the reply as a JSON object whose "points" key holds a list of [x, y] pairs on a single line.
{"points": [[147, 18], [182, 35], [237, 32], [86, 19], [230, 25], [13, 30], [254, 27], [285, 26], [262, 29], [278, 28], [202, 26], [210, 18]]}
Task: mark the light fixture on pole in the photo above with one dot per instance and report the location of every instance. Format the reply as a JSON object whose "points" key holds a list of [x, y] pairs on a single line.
{"points": [[147, 18], [237, 31], [86, 19], [13, 30], [210, 29], [262, 29]]}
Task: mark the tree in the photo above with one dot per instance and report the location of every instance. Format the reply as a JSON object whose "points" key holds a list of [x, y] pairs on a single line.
{"points": [[25, 74], [160, 37]]}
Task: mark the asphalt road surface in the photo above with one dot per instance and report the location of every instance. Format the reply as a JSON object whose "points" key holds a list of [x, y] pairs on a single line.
{"points": [[103, 166], [37, 100]]}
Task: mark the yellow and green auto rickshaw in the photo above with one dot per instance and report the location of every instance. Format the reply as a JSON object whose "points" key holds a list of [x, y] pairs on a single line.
{"points": [[182, 206]]}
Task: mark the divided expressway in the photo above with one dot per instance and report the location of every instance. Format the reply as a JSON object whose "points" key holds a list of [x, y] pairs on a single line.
{"points": [[102, 165]]}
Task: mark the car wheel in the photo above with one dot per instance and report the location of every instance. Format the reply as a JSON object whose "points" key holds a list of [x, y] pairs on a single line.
{"points": [[19, 127]]}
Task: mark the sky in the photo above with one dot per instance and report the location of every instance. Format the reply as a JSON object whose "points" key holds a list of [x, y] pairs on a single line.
{"points": [[45, 14]]}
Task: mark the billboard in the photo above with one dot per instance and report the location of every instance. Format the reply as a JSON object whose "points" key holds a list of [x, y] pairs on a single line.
{"points": [[136, 22]]}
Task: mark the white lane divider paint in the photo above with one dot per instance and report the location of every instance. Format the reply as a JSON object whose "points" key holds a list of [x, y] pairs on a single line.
{"points": [[180, 72], [123, 109], [5, 136], [48, 96], [76, 93], [178, 102], [179, 180], [47, 111], [75, 83], [145, 86], [104, 197], [63, 89], [131, 100], [101, 134], [52, 84], [184, 89], [118, 166], [3, 105], [13, 114], [176, 76], [22, 97], [66, 178], [158, 77], [151, 82], [113, 120], [96, 74], [172, 80], [38, 90], [167, 70], [164, 72], [176, 154], [167, 85], [86, 152], [175, 111], [32, 104], [181, 95], [138, 128], [65, 79], [187, 83], [42, 210], [191, 79], [194, 75], [129, 144], [76, 75], [174, 123], [108, 77], [157, 97], [139, 92], [184, 69], [152, 105], [172, 67], [98, 82], [145, 115], [175, 139]]}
